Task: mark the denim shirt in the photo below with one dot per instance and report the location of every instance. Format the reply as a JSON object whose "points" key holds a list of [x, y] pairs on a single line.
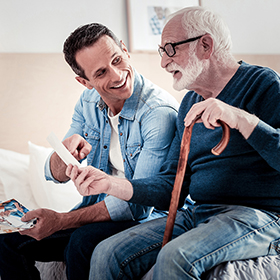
{"points": [[146, 129]]}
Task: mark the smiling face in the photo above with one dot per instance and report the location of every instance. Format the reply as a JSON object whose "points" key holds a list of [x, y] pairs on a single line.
{"points": [[108, 70]]}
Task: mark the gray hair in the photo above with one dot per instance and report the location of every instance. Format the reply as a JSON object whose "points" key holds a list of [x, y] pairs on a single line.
{"points": [[198, 21]]}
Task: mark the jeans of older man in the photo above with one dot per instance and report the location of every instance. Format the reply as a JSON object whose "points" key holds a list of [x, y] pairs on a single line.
{"points": [[203, 236]]}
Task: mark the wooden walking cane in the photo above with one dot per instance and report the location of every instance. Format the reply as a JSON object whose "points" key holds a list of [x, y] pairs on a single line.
{"points": [[184, 152]]}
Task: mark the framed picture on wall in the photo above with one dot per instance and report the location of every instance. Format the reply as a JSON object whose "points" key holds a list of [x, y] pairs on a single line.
{"points": [[146, 19]]}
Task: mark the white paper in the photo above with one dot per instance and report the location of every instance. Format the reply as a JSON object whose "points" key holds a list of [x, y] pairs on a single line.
{"points": [[61, 150]]}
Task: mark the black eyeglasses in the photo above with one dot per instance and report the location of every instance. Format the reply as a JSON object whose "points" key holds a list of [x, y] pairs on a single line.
{"points": [[169, 48]]}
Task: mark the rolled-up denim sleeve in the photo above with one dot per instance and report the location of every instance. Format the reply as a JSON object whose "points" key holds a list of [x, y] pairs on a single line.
{"points": [[118, 209]]}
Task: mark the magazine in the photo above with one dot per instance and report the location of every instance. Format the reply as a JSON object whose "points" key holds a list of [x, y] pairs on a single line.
{"points": [[11, 212]]}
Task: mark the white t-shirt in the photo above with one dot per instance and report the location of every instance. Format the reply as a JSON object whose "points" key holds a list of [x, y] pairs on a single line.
{"points": [[115, 155]]}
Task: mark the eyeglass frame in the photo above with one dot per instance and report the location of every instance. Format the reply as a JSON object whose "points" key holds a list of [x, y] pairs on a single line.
{"points": [[173, 45]]}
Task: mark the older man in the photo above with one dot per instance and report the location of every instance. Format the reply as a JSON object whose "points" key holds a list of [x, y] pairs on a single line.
{"points": [[237, 194], [123, 124]]}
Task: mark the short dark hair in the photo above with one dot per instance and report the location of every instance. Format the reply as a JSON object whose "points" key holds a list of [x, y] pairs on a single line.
{"points": [[84, 36]]}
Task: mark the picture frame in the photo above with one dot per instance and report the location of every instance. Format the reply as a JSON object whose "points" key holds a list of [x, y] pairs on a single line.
{"points": [[146, 19]]}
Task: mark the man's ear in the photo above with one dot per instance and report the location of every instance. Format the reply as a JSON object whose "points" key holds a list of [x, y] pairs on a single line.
{"points": [[207, 45], [124, 48], [84, 82]]}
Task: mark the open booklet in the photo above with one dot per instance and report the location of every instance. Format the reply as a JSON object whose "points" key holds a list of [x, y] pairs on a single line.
{"points": [[11, 212]]}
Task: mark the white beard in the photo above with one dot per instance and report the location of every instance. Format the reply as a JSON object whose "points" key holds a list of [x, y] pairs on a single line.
{"points": [[189, 74]]}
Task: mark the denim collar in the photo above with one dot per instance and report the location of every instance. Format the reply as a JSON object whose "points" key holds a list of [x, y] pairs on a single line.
{"points": [[101, 104]]}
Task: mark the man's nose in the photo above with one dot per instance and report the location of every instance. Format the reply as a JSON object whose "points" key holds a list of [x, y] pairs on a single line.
{"points": [[116, 74], [165, 60]]}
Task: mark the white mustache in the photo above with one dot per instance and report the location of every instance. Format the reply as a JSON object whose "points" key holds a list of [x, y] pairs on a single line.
{"points": [[173, 67]]}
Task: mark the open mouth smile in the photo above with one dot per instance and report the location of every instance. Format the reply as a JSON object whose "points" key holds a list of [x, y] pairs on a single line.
{"points": [[172, 70], [174, 73], [122, 83]]}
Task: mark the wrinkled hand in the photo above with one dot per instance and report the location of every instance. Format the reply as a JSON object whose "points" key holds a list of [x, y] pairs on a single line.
{"points": [[212, 110], [89, 180], [48, 222]]}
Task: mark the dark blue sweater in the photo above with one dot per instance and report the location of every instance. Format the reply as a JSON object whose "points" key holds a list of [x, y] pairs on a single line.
{"points": [[247, 172]]}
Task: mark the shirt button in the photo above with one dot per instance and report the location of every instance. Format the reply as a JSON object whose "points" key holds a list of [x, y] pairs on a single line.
{"points": [[131, 155], [105, 147], [86, 134], [121, 134]]}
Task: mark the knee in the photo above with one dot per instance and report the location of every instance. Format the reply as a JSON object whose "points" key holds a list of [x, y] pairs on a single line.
{"points": [[168, 255], [102, 262], [172, 261], [101, 255], [108, 256]]}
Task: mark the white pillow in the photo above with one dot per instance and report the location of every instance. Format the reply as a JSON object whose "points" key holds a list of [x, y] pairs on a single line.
{"points": [[47, 194], [14, 181]]}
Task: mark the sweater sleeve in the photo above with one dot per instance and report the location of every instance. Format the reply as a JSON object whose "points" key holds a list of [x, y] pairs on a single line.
{"points": [[266, 141], [265, 138]]}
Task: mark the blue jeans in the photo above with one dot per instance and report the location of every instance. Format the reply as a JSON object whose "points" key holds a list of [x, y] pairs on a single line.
{"points": [[203, 237], [18, 253]]}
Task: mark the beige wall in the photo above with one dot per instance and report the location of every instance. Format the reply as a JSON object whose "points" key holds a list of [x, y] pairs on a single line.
{"points": [[38, 93]]}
